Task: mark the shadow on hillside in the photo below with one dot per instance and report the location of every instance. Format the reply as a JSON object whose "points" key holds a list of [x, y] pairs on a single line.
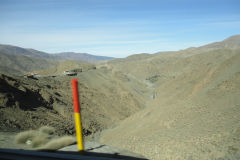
{"points": [[17, 95]]}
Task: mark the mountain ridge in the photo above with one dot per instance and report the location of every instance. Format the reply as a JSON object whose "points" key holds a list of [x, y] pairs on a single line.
{"points": [[11, 49], [194, 112], [174, 105], [80, 56], [17, 60]]}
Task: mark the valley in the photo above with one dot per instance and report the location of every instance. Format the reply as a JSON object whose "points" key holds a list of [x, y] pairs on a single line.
{"points": [[170, 105]]}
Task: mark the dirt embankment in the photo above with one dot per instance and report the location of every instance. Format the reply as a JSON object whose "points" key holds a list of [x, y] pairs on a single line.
{"points": [[28, 103]]}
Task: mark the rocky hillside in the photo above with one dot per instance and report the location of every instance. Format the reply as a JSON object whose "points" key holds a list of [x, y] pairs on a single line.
{"points": [[195, 113], [106, 98], [14, 50], [21, 64], [171, 105]]}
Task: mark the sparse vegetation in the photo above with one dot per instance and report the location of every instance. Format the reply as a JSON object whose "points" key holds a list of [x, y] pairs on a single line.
{"points": [[47, 130], [153, 78], [58, 143], [23, 137], [77, 70], [39, 141], [43, 139]]}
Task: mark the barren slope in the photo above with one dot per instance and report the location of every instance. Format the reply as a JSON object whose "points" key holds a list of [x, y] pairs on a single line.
{"points": [[105, 100], [67, 65], [196, 110]]}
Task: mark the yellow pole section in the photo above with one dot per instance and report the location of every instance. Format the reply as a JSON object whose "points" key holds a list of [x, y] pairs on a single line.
{"points": [[78, 126]]}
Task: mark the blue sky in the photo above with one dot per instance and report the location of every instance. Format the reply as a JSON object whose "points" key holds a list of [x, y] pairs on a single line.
{"points": [[116, 28]]}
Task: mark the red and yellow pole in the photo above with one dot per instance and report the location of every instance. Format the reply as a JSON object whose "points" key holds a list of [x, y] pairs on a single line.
{"points": [[77, 115]]}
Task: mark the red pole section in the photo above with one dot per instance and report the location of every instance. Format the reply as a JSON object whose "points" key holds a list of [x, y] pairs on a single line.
{"points": [[75, 96]]}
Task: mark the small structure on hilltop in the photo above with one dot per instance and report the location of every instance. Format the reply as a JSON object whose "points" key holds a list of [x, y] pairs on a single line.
{"points": [[69, 73], [32, 75]]}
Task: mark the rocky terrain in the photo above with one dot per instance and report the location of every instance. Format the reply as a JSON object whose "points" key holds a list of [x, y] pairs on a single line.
{"points": [[196, 110], [32, 102], [171, 105]]}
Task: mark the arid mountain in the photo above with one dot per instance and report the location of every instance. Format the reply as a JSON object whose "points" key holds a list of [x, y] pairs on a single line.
{"points": [[17, 64], [17, 60], [132, 58], [172, 105], [14, 50], [105, 97], [84, 57], [195, 111], [232, 42], [154, 65]]}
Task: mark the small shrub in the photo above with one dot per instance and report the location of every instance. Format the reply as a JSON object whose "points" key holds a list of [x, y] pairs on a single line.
{"points": [[43, 139], [58, 143], [23, 137], [39, 141], [47, 130]]}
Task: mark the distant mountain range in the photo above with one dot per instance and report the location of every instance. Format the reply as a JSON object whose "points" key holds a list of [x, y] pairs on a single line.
{"points": [[80, 57], [149, 64], [17, 60], [13, 50]]}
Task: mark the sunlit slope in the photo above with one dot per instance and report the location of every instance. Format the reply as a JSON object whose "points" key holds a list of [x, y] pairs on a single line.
{"points": [[166, 64], [196, 110], [67, 65], [114, 98], [106, 98], [20, 64]]}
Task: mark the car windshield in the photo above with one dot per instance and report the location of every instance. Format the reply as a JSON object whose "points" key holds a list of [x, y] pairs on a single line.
{"points": [[120, 79]]}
